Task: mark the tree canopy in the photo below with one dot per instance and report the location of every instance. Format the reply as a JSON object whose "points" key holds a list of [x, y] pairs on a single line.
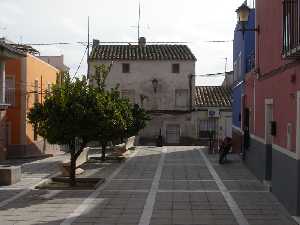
{"points": [[75, 110]]}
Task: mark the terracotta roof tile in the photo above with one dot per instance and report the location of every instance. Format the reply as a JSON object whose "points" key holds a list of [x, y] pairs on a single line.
{"points": [[136, 52], [209, 96], [13, 49]]}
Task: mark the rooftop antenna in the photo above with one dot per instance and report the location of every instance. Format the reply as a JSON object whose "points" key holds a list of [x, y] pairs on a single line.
{"points": [[21, 39], [88, 49], [226, 60], [139, 20], [3, 29]]}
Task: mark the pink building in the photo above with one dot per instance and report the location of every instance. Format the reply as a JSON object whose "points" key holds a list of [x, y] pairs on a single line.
{"points": [[272, 101]]}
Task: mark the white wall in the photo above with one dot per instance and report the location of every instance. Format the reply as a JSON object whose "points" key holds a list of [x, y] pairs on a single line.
{"points": [[140, 79]]}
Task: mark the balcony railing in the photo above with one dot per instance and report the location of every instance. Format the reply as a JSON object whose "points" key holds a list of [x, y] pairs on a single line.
{"points": [[291, 28], [10, 96]]}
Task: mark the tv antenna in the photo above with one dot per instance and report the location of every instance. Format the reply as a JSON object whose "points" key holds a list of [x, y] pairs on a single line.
{"points": [[3, 29], [139, 22]]}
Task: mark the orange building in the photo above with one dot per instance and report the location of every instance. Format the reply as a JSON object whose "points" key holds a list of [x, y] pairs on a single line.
{"points": [[6, 53], [27, 81]]}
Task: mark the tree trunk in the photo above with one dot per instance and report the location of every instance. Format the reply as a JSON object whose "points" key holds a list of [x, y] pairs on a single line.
{"points": [[44, 145], [103, 151], [73, 169]]}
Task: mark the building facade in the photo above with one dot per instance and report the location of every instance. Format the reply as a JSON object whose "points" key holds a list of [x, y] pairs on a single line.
{"points": [[212, 114], [160, 78], [56, 61], [243, 62], [27, 82], [272, 98], [6, 53]]}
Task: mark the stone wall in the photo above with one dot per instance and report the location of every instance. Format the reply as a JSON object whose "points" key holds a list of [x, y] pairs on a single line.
{"points": [[36, 149]]}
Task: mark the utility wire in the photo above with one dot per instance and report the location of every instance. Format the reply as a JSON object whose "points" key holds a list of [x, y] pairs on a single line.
{"points": [[124, 42], [80, 62], [210, 75]]}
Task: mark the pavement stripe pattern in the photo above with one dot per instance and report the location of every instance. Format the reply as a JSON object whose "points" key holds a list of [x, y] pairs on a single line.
{"points": [[148, 209], [90, 201], [239, 216]]}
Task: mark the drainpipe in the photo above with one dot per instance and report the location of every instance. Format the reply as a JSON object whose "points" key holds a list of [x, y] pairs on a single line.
{"points": [[2, 80], [191, 91]]}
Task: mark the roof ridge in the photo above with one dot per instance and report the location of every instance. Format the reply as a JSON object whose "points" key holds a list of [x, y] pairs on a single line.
{"points": [[135, 52]]}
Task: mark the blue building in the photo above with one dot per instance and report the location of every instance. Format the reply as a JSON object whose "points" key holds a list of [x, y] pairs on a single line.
{"points": [[243, 62]]}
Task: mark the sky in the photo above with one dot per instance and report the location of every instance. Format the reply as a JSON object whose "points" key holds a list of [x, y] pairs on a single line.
{"points": [[193, 21]]}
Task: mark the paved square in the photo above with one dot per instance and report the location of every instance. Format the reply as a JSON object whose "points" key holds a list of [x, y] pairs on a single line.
{"points": [[156, 186]]}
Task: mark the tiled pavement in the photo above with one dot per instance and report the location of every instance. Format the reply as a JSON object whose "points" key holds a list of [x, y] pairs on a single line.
{"points": [[158, 186]]}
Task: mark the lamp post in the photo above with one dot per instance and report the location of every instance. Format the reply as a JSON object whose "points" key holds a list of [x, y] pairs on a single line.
{"points": [[243, 13]]}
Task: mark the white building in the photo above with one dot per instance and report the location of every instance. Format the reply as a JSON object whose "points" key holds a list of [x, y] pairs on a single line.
{"points": [[160, 79]]}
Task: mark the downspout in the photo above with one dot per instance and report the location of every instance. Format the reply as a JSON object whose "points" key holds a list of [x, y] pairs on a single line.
{"points": [[254, 104], [191, 91]]}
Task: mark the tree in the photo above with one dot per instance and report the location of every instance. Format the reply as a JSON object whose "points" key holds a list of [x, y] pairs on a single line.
{"points": [[68, 112], [116, 118], [121, 119], [140, 119]]}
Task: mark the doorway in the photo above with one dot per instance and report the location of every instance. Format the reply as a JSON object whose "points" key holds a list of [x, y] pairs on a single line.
{"points": [[228, 127], [173, 134]]}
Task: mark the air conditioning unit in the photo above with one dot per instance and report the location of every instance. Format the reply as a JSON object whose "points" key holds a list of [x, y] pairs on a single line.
{"points": [[213, 113]]}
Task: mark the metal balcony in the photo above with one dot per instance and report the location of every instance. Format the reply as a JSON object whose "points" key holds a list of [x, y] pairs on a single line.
{"points": [[291, 29]]}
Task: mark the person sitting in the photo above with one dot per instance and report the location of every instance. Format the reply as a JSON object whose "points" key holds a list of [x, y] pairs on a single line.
{"points": [[224, 149]]}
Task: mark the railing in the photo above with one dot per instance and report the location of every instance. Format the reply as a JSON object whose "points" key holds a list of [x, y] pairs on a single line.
{"points": [[291, 28], [10, 96]]}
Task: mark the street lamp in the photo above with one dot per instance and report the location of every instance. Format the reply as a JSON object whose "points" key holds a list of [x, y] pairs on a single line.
{"points": [[243, 13], [155, 85]]}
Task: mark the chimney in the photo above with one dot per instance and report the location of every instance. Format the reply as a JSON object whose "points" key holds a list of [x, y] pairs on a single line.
{"points": [[142, 41], [95, 43]]}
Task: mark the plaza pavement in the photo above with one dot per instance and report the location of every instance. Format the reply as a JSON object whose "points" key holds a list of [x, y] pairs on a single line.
{"points": [[156, 186]]}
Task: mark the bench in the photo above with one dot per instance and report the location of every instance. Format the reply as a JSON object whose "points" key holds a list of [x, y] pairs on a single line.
{"points": [[130, 142], [117, 152], [65, 166]]}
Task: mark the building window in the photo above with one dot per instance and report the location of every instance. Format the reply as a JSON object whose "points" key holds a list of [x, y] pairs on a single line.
{"points": [[291, 28], [49, 88], [36, 91], [237, 68], [10, 91], [181, 98], [207, 127], [176, 68], [125, 67], [129, 94]]}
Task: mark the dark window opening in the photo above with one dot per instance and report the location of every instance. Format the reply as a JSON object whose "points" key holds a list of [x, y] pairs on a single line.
{"points": [[126, 68], [176, 68], [291, 28]]}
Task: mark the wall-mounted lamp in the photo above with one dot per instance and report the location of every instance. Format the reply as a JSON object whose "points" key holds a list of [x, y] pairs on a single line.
{"points": [[155, 85], [243, 13]]}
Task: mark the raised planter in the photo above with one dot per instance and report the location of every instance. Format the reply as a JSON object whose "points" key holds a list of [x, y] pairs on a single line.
{"points": [[10, 175], [62, 183], [65, 165]]}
